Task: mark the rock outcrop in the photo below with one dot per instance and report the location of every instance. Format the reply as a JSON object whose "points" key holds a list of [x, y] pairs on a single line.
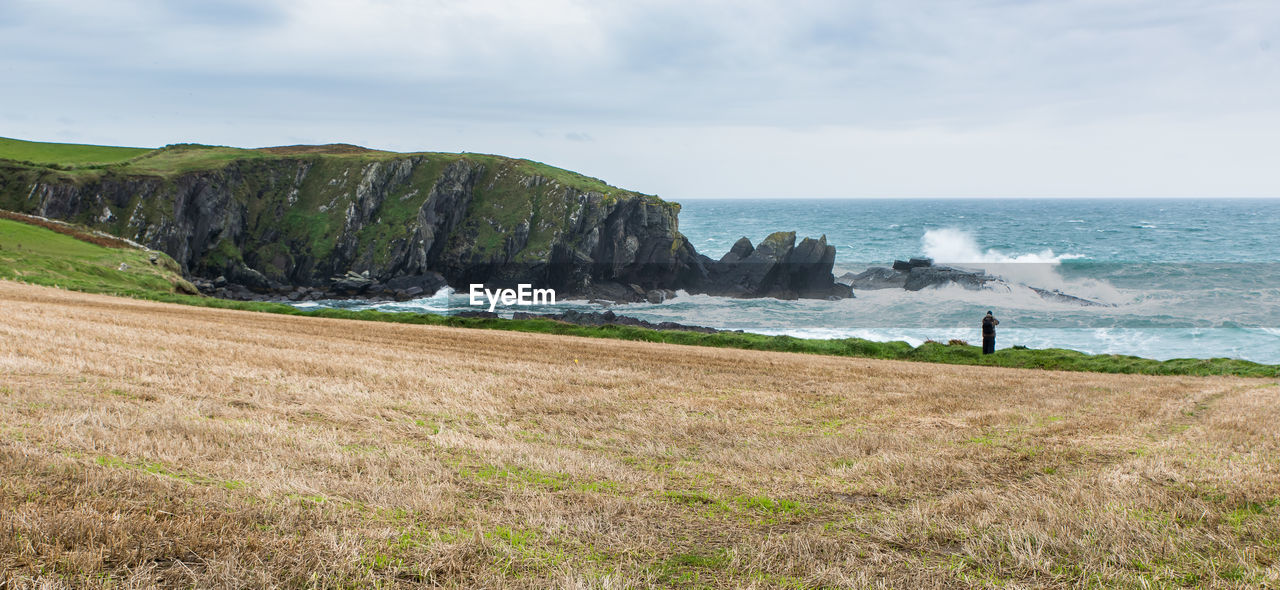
{"points": [[921, 273], [294, 223], [778, 268]]}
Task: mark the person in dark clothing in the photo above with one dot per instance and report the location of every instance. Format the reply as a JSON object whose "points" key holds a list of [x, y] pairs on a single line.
{"points": [[989, 324]]}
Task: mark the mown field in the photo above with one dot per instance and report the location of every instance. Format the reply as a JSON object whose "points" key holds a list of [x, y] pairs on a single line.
{"points": [[147, 444]]}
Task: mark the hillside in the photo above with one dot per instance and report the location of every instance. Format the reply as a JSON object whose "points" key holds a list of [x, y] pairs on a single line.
{"points": [[72, 258], [69, 155], [144, 443], [299, 215]]}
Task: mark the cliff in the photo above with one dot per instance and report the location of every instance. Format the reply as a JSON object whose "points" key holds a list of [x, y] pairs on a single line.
{"points": [[275, 219]]}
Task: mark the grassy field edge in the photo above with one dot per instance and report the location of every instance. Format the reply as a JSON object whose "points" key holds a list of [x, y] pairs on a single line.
{"points": [[936, 352]]}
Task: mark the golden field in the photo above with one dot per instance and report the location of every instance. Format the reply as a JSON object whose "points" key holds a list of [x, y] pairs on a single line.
{"points": [[146, 444]]}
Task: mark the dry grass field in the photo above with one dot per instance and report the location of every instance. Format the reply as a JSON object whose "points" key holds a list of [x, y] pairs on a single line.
{"points": [[145, 444]]}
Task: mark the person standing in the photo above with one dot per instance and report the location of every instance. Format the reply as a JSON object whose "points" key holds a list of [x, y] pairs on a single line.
{"points": [[989, 324]]}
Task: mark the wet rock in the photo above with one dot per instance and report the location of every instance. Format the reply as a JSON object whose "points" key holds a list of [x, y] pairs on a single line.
{"points": [[426, 283], [778, 268], [921, 277], [875, 278]]}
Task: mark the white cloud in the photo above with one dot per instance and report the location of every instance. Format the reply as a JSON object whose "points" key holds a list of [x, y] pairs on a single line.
{"points": [[687, 98]]}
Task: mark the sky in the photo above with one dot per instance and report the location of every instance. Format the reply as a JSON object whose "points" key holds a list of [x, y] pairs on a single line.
{"points": [[687, 99]]}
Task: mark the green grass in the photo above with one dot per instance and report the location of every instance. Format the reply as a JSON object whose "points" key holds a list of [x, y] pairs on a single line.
{"points": [[43, 257], [40, 256], [65, 154], [183, 158]]}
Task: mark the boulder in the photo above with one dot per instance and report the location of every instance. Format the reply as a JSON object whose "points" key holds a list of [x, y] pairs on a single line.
{"points": [[739, 251], [921, 277], [249, 278], [427, 283], [879, 277], [351, 284]]}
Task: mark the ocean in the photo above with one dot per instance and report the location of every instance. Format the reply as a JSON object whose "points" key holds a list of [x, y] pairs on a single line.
{"points": [[1186, 278]]}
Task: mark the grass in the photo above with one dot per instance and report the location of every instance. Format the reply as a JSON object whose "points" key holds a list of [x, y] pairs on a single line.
{"points": [[182, 158], [41, 256], [65, 154], [149, 444]]}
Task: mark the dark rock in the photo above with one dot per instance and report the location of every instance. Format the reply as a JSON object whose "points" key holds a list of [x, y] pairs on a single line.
{"points": [[1059, 296], [249, 278], [921, 277], [351, 284], [220, 282], [778, 267], [875, 278], [902, 265], [427, 283], [739, 251], [919, 262], [611, 292]]}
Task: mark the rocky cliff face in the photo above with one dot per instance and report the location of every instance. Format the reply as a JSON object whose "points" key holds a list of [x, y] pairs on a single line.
{"points": [[274, 222]]}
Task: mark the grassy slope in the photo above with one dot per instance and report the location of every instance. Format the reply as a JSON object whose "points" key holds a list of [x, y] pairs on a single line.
{"points": [[46, 258], [147, 445], [65, 154], [182, 158], [40, 256]]}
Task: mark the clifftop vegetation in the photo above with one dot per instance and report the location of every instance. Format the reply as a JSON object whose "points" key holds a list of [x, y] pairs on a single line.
{"points": [[182, 158]]}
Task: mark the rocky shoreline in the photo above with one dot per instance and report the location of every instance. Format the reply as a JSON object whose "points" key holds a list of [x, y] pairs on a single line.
{"points": [[778, 268], [921, 273]]}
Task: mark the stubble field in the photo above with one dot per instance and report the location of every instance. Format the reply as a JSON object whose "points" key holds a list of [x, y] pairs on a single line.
{"points": [[145, 444]]}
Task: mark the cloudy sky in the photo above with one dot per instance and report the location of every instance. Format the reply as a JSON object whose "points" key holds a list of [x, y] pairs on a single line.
{"points": [[735, 98]]}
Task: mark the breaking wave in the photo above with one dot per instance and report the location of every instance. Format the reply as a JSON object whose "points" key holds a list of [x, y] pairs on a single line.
{"points": [[955, 246]]}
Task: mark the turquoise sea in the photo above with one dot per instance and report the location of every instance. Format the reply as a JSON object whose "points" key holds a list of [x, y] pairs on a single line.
{"points": [[1181, 278]]}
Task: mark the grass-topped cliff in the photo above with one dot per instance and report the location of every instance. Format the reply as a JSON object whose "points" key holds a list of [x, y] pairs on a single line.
{"points": [[301, 214]]}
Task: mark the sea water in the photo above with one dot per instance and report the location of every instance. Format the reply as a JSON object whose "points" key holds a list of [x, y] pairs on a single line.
{"points": [[1195, 278]]}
